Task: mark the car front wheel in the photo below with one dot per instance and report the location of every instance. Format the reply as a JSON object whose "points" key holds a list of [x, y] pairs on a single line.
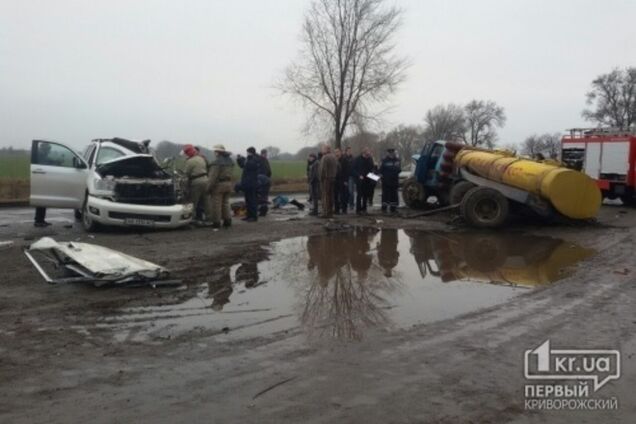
{"points": [[88, 222]]}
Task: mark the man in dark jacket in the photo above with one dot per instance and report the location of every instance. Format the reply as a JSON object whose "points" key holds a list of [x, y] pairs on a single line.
{"points": [[314, 183], [390, 169], [388, 255], [351, 180], [264, 183], [362, 166], [43, 158], [249, 182], [311, 159]]}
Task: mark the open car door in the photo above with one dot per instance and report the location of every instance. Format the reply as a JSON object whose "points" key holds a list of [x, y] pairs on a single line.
{"points": [[58, 176]]}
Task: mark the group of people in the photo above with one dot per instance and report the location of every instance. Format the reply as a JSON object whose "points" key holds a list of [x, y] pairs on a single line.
{"points": [[337, 178], [338, 182], [210, 184]]}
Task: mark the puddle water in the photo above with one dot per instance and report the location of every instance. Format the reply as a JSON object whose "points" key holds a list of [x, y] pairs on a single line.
{"points": [[343, 285]]}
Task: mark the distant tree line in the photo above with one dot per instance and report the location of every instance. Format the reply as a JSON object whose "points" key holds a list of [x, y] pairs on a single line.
{"points": [[168, 149], [475, 124], [5, 151]]}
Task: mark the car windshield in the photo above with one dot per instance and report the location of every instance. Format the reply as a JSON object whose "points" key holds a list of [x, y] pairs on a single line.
{"points": [[108, 153]]}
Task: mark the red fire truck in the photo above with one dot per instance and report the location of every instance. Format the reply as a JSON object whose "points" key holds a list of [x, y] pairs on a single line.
{"points": [[606, 154]]}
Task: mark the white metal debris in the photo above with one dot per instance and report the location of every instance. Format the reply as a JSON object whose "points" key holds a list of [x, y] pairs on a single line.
{"points": [[92, 263], [4, 244]]}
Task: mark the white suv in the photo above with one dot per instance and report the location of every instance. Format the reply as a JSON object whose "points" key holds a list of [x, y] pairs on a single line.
{"points": [[116, 182]]}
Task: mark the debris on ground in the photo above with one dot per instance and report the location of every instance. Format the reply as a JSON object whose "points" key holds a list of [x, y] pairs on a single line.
{"points": [[239, 209], [273, 386], [336, 226], [280, 201], [5, 244], [291, 218], [84, 262]]}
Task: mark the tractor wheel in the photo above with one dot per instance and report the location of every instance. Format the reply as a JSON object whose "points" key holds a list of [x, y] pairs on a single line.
{"points": [[414, 194], [484, 207], [459, 190]]}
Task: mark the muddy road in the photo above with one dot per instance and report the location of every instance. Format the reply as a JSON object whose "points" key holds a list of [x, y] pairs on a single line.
{"points": [[372, 319]]}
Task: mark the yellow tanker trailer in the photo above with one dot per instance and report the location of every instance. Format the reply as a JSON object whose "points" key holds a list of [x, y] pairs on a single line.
{"points": [[486, 183]]}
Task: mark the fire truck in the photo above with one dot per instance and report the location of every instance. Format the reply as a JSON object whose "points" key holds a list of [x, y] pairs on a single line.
{"points": [[606, 154]]}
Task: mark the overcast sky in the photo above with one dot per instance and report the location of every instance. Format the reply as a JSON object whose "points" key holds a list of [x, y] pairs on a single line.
{"points": [[201, 71]]}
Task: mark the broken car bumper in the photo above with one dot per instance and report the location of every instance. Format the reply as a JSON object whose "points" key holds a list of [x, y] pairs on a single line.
{"points": [[107, 212]]}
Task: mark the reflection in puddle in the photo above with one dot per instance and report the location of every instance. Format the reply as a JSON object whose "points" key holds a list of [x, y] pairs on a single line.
{"points": [[344, 284]]}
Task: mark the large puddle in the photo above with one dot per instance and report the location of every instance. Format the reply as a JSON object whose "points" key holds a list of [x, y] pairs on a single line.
{"points": [[346, 285]]}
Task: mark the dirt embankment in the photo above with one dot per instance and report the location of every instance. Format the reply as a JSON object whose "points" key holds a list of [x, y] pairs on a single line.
{"points": [[14, 190]]}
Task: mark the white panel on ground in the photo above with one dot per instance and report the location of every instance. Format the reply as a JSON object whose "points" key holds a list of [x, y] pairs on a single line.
{"points": [[615, 159], [593, 160]]}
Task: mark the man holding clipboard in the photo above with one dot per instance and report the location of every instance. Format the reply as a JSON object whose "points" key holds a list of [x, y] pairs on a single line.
{"points": [[363, 172]]}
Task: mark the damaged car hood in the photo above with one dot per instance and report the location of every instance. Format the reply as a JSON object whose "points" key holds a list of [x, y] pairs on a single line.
{"points": [[133, 166]]}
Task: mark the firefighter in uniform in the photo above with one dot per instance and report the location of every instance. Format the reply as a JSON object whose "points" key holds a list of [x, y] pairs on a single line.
{"points": [[220, 188], [390, 169], [197, 173]]}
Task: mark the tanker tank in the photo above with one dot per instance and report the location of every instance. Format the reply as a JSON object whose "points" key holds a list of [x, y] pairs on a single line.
{"points": [[572, 193]]}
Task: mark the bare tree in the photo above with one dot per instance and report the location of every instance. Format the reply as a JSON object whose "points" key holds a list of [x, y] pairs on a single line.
{"points": [[613, 97], [360, 140], [303, 152], [511, 147], [407, 140], [272, 152], [445, 122], [547, 145], [552, 145], [532, 146], [347, 62], [483, 117]]}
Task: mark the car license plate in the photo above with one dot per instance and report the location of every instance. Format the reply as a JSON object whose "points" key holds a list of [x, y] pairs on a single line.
{"points": [[139, 222]]}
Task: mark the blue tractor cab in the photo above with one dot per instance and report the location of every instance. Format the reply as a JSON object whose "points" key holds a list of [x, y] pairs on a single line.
{"points": [[431, 177]]}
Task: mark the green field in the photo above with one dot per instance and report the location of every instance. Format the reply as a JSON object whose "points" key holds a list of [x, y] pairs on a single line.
{"points": [[14, 176], [17, 166], [14, 166], [288, 170]]}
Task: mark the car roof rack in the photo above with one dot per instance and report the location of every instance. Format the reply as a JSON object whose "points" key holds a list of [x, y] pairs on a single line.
{"points": [[135, 146]]}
